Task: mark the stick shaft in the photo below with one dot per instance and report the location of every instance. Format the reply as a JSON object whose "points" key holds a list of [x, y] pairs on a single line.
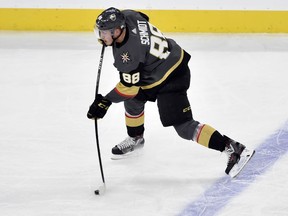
{"points": [[96, 125]]}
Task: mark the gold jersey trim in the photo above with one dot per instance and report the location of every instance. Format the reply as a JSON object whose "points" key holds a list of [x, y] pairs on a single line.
{"points": [[166, 75], [126, 91]]}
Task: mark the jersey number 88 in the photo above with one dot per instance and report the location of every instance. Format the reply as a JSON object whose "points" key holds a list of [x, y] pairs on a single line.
{"points": [[131, 78], [159, 45]]}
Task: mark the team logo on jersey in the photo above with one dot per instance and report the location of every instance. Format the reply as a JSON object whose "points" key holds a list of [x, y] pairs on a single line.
{"points": [[125, 57]]}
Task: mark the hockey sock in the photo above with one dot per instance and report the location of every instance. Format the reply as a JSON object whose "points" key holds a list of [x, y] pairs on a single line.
{"points": [[209, 137], [134, 124]]}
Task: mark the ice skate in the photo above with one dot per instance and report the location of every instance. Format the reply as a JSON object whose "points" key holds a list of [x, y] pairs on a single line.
{"points": [[127, 147], [238, 156], [233, 150]]}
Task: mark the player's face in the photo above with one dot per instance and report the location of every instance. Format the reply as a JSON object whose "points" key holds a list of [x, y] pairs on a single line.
{"points": [[106, 36]]}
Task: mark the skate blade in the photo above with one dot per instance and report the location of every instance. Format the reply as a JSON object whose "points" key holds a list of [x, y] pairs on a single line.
{"points": [[245, 156], [132, 154]]}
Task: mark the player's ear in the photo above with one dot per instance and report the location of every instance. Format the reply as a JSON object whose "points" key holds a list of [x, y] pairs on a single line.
{"points": [[117, 32]]}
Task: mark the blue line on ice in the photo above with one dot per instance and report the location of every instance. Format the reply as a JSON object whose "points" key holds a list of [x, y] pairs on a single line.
{"points": [[225, 188]]}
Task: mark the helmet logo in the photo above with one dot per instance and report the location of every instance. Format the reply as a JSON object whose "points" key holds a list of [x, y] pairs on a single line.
{"points": [[113, 17], [110, 19]]}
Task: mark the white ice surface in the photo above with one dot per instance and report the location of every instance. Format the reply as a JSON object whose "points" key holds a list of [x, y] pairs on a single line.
{"points": [[48, 157]]}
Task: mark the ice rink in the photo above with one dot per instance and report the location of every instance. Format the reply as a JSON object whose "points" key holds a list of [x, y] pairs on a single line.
{"points": [[48, 157]]}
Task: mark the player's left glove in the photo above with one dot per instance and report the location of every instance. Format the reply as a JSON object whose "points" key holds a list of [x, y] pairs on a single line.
{"points": [[99, 107]]}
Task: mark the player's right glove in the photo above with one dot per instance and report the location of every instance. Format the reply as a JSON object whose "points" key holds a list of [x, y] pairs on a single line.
{"points": [[99, 107]]}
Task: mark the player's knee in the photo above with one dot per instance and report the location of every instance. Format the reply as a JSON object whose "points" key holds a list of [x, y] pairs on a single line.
{"points": [[186, 129]]}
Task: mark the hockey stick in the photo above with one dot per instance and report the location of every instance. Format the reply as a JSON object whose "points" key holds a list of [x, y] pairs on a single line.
{"points": [[101, 189]]}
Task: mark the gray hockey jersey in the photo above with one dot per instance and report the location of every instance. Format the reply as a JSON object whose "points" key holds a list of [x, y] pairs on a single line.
{"points": [[145, 59]]}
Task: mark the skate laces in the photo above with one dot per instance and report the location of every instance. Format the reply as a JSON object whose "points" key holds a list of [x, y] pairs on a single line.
{"points": [[127, 143]]}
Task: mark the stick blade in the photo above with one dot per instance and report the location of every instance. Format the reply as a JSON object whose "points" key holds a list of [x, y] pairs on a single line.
{"points": [[101, 190]]}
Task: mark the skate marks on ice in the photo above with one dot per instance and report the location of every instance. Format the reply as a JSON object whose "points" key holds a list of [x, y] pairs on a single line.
{"points": [[225, 188]]}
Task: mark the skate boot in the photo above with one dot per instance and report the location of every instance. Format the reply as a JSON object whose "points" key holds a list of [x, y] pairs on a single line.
{"points": [[233, 150], [127, 146]]}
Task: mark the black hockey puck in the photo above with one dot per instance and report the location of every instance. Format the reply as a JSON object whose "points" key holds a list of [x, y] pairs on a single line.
{"points": [[96, 192]]}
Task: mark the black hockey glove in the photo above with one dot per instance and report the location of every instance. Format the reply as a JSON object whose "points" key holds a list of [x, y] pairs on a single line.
{"points": [[98, 108]]}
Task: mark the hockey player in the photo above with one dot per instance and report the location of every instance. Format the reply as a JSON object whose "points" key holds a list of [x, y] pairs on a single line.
{"points": [[152, 67]]}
